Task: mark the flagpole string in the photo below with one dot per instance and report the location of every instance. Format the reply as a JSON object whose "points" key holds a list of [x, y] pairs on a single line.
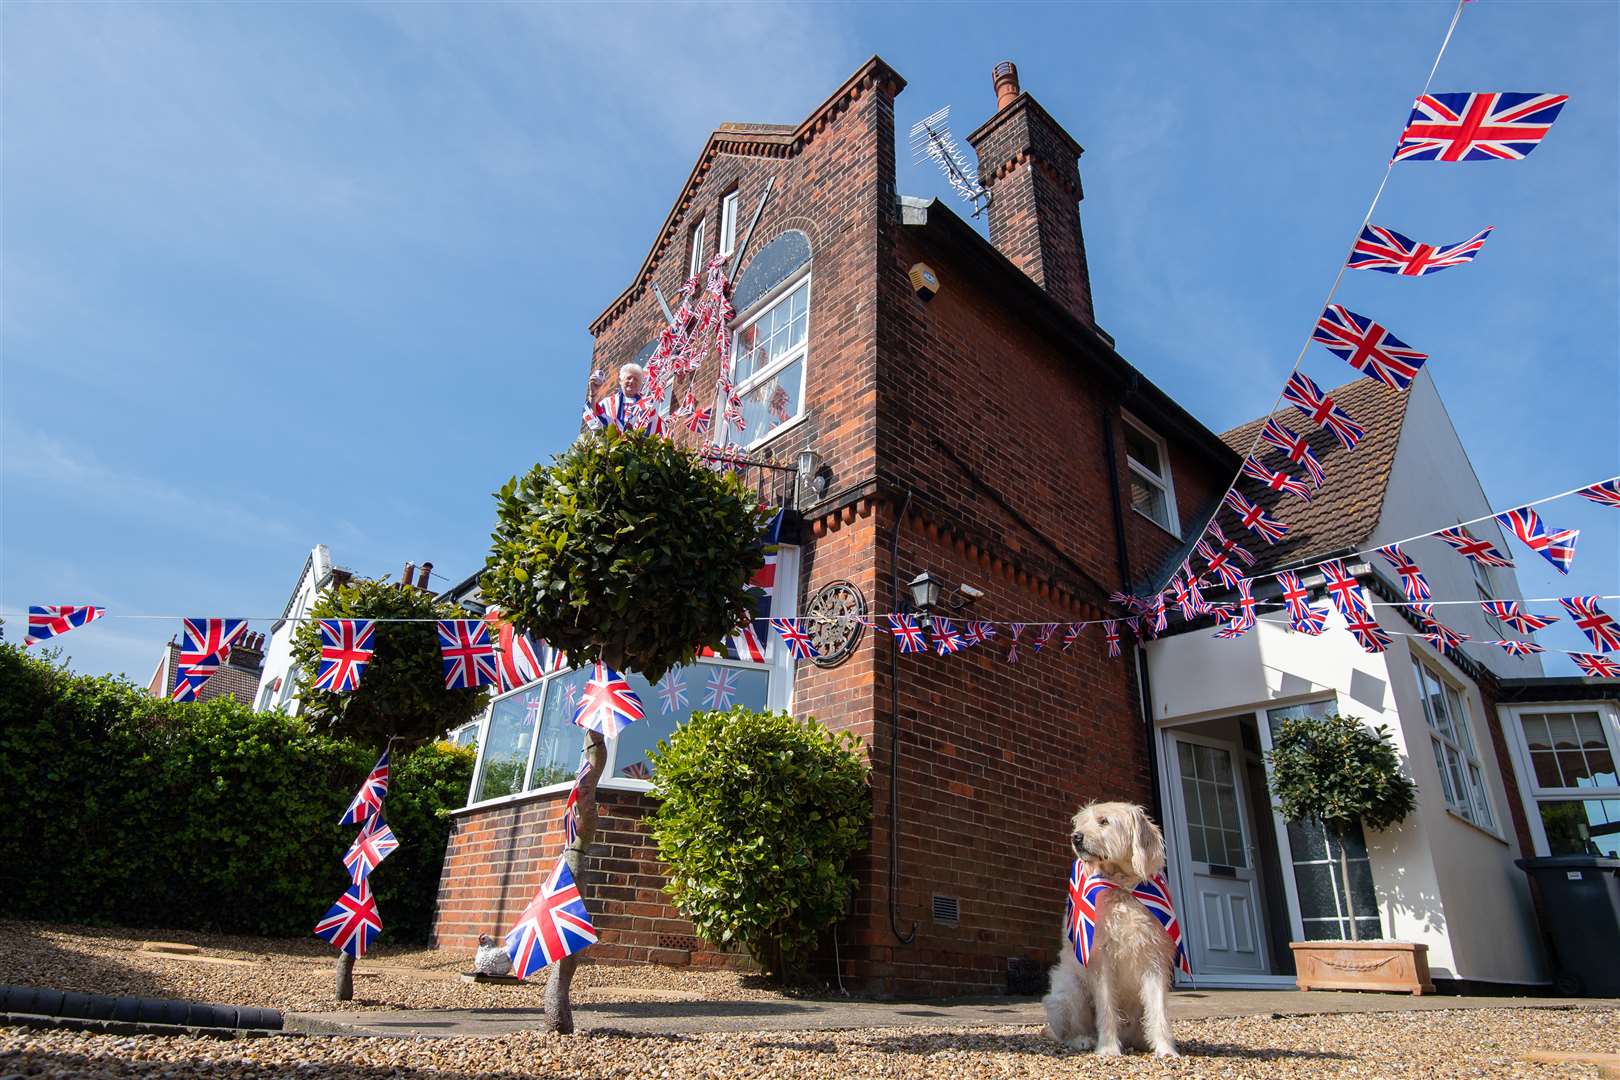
{"points": [[1344, 264]]}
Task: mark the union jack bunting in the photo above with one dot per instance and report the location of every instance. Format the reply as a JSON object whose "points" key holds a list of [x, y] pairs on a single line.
{"points": [[947, 639], [1015, 629], [1508, 611], [1308, 398], [1302, 617], [1182, 589], [369, 799], [688, 404], [671, 692], [745, 643], [734, 413], [352, 922], [1387, 251], [1231, 547], [345, 653], [977, 633], [46, 621], [1133, 623], [1369, 635], [1158, 621], [1154, 895], [607, 704], [637, 770], [908, 636], [796, 638], [701, 421], [1111, 635], [1514, 647], [1438, 633], [1606, 493], [554, 925], [1045, 635], [374, 843], [1254, 517], [469, 655], [1071, 634], [204, 646], [1195, 600], [1557, 548], [571, 807], [1219, 562], [1244, 621], [1412, 579], [520, 658], [1295, 448], [721, 688], [1275, 480], [1595, 623], [1345, 590], [1120, 598], [1472, 547], [1483, 126], [1597, 665], [1368, 347]]}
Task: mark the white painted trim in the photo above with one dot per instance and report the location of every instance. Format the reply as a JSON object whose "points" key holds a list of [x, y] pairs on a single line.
{"points": [[1165, 482], [1524, 770]]}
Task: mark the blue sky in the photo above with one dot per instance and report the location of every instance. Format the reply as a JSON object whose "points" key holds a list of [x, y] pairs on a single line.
{"points": [[276, 275]]}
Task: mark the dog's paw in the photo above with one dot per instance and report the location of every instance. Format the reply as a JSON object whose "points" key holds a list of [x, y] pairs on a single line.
{"points": [[1108, 1050], [1081, 1042], [1166, 1051]]}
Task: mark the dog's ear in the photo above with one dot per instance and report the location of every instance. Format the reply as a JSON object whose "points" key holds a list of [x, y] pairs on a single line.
{"points": [[1147, 856]]}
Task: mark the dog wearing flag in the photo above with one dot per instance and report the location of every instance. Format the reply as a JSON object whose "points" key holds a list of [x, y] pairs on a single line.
{"points": [[1120, 945]]}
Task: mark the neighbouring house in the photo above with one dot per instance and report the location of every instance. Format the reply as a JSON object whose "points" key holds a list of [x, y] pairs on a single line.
{"points": [[238, 676], [278, 685]]}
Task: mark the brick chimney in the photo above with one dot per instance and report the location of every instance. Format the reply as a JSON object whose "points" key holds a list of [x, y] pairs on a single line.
{"points": [[1031, 167], [422, 577]]}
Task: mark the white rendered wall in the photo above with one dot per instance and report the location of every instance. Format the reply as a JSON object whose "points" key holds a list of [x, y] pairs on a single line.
{"points": [[278, 661]]}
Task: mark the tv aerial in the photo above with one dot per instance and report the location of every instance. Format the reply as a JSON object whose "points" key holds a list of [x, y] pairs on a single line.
{"points": [[931, 137]]}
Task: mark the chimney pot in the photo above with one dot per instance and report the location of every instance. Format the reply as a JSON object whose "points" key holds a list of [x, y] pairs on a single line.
{"points": [[407, 574], [422, 579], [1005, 75]]}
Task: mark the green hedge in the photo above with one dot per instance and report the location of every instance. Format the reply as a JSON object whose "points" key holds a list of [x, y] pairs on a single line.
{"points": [[121, 808]]}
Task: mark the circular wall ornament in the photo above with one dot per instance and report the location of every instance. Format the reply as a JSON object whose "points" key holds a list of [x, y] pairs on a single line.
{"points": [[832, 623]]}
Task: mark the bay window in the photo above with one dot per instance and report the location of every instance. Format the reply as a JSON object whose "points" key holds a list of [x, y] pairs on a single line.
{"points": [[1573, 792]]}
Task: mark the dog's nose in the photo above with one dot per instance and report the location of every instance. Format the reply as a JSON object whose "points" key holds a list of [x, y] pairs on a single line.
{"points": [[1078, 843]]}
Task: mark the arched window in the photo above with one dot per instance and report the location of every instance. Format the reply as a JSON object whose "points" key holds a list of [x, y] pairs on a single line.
{"points": [[771, 350]]}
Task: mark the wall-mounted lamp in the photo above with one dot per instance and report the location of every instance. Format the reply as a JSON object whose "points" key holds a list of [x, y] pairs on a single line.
{"points": [[813, 472], [925, 589]]}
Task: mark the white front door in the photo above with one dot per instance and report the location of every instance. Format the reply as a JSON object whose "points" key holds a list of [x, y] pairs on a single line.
{"points": [[1221, 905]]}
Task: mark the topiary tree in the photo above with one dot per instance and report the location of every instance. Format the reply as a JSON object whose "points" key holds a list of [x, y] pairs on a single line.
{"points": [[1336, 770], [630, 551], [758, 816]]}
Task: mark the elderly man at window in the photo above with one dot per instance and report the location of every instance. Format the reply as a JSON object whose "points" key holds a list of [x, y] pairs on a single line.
{"points": [[627, 408]]}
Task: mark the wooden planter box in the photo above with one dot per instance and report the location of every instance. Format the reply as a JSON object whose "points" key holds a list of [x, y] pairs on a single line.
{"points": [[1402, 966]]}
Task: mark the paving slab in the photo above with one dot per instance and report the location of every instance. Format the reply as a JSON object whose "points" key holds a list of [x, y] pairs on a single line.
{"points": [[793, 1014]]}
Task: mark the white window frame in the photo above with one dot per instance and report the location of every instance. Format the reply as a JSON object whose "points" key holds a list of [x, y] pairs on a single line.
{"points": [[728, 224], [778, 295], [1165, 483], [695, 261], [1473, 804], [1530, 792], [1484, 587]]}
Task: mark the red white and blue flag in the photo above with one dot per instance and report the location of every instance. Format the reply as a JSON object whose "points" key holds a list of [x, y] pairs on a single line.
{"points": [[1510, 612], [1295, 448], [908, 636], [1437, 633], [369, 799], [346, 652], [1368, 347], [796, 638], [1604, 493], [721, 688], [205, 645], [1231, 547], [947, 639], [978, 632], [1514, 647], [1071, 634], [607, 704], [1254, 517], [1412, 579], [1310, 399], [1275, 479], [521, 658], [1302, 617], [46, 621], [1597, 665], [1085, 896], [671, 692], [1369, 635], [1472, 547], [1219, 562], [1111, 635], [469, 655], [554, 925], [1597, 624], [374, 843], [1345, 590], [1557, 548], [746, 642], [1244, 620], [352, 922], [701, 421], [1387, 251], [1483, 126]]}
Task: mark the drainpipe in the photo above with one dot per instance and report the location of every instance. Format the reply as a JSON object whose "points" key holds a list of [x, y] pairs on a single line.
{"points": [[894, 740]]}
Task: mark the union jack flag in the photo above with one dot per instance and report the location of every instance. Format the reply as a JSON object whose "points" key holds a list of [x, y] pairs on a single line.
{"points": [[1071, 634], [46, 621], [1472, 547], [1111, 635], [1439, 634], [1481, 126], [1295, 448], [977, 632], [1275, 480], [1219, 562], [1508, 611], [205, 645], [1244, 621], [469, 655], [1301, 616], [1045, 635], [1159, 621], [1412, 579], [1310, 399], [1606, 493], [554, 925], [1154, 895], [345, 653], [571, 807], [1369, 635], [701, 421], [1595, 623], [734, 413], [352, 922], [671, 692], [1182, 589], [607, 704], [1085, 895], [1389, 252], [637, 770], [1134, 624], [1368, 347], [745, 643], [908, 636], [945, 635], [1345, 590], [1557, 548], [1195, 600], [520, 658], [688, 405], [796, 637], [369, 799], [1515, 648], [1231, 547], [722, 687], [1254, 517], [374, 843], [1596, 665]]}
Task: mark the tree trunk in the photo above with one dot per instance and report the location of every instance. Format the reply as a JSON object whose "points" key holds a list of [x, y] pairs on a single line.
{"points": [[345, 977], [1344, 874]]}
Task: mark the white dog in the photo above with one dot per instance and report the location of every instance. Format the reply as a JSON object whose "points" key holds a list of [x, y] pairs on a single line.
{"points": [[1120, 1000]]}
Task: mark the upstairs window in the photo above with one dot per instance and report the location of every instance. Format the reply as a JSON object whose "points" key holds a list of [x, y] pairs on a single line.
{"points": [[695, 262], [1153, 494], [769, 357], [1462, 780], [728, 224]]}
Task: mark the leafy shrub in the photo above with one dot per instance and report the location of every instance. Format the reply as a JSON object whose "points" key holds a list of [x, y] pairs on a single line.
{"points": [[122, 808], [758, 816]]}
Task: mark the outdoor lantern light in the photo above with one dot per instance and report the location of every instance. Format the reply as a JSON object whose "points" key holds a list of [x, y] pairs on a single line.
{"points": [[925, 588], [813, 472]]}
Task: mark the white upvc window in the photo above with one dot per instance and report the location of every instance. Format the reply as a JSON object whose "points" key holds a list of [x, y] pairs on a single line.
{"points": [[696, 260], [769, 356], [728, 224], [1566, 757], [1462, 779], [1153, 491], [1482, 586]]}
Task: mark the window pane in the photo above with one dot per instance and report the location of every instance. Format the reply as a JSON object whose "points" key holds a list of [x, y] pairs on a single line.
{"points": [[506, 750], [556, 759], [1189, 796], [1546, 766], [1562, 729], [1235, 854], [1600, 767], [1149, 499], [684, 691], [1590, 732], [1445, 775], [1535, 732], [1143, 450], [772, 403], [1590, 827]]}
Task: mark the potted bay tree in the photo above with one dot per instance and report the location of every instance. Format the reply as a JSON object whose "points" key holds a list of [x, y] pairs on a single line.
{"points": [[1338, 772]]}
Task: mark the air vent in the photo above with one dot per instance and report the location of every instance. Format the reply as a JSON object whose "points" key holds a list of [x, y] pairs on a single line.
{"points": [[947, 910]]}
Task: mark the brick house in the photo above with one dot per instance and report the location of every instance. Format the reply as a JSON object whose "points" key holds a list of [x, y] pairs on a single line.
{"points": [[991, 436], [237, 677]]}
